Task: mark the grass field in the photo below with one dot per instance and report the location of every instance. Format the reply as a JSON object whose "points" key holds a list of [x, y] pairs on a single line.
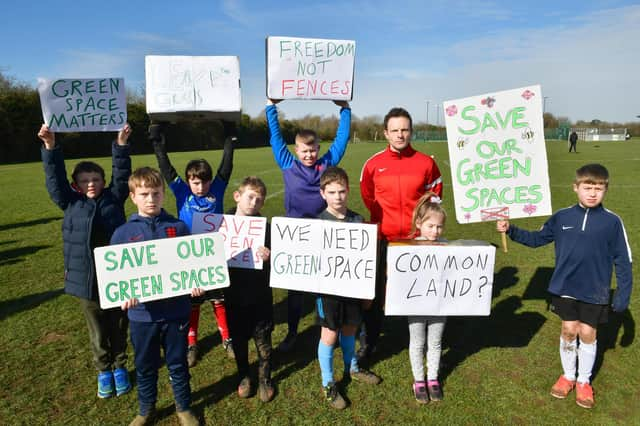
{"points": [[496, 369]]}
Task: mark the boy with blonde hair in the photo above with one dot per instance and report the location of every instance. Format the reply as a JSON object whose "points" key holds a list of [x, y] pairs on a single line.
{"points": [[589, 241], [301, 174], [160, 323], [249, 299]]}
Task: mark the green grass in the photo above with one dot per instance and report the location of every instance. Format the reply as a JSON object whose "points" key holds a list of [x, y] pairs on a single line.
{"points": [[496, 370]]}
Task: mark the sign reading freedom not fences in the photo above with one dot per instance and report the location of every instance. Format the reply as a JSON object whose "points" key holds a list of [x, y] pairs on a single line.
{"points": [[83, 105], [498, 155], [434, 279], [305, 68], [322, 256], [159, 269]]}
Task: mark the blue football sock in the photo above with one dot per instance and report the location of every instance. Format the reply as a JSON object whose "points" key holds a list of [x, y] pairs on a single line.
{"points": [[325, 358], [348, 346]]}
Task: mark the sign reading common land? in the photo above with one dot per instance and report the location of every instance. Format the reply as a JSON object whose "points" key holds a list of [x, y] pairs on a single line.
{"points": [[306, 68], [83, 104], [321, 256], [159, 269], [434, 279], [242, 236], [498, 155], [193, 87]]}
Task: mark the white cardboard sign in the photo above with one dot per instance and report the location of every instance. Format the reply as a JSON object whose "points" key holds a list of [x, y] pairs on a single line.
{"points": [[83, 104], [242, 235], [321, 256], [307, 68], [440, 280], [159, 269], [193, 86], [498, 156]]}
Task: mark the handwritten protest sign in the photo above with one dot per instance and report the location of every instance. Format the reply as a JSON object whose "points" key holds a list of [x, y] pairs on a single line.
{"points": [[242, 235], [159, 269], [320, 256], [498, 157], [83, 104], [193, 87], [428, 279], [306, 68]]}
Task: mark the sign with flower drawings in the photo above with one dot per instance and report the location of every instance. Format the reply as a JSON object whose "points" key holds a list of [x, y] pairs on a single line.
{"points": [[498, 158]]}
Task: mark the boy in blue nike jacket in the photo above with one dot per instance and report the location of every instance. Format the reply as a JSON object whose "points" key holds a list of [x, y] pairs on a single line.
{"points": [[199, 192], [301, 174], [160, 323], [589, 241]]}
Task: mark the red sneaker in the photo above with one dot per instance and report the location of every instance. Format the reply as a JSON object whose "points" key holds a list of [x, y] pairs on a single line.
{"points": [[584, 395], [562, 387]]}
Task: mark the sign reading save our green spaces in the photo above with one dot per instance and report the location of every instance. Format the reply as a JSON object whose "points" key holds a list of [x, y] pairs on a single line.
{"points": [[159, 269], [498, 155]]}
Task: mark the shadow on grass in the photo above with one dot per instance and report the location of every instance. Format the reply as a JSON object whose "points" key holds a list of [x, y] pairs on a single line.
{"points": [[29, 223], [537, 288], [608, 335], [24, 303], [11, 256], [504, 328]]}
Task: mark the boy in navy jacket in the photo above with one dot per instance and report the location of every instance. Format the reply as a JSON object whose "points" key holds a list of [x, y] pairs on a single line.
{"points": [[92, 211], [162, 323], [589, 241]]}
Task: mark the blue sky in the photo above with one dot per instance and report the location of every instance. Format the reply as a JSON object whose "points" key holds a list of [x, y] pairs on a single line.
{"points": [[585, 54]]}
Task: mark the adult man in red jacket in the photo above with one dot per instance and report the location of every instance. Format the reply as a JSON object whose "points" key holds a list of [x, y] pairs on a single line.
{"points": [[391, 183]]}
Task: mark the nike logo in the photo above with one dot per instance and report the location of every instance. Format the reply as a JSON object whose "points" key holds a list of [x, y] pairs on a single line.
{"points": [[564, 228], [136, 237], [382, 170]]}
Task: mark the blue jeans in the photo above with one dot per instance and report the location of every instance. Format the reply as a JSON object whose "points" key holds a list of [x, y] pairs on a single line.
{"points": [[147, 339]]}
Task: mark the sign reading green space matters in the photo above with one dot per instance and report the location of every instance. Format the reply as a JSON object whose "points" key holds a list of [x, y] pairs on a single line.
{"points": [[83, 104], [498, 157], [159, 269]]}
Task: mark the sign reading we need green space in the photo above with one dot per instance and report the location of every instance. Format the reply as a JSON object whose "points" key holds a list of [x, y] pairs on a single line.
{"points": [[498, 158], [159, 269], [83, 104]]}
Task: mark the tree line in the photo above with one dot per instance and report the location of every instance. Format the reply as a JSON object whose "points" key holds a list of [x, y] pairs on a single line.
{"points": [[21, 117]]}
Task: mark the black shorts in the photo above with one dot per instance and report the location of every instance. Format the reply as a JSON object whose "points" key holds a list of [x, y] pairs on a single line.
{"points": [[335, 312], [569, 309]]}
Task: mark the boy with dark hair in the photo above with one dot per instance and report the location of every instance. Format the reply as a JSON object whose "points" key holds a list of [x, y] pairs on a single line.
{"points": [[204, 194], [161, 323], [339, 317], [589, 241], [92, 211], [301, 174], [249, 299]]}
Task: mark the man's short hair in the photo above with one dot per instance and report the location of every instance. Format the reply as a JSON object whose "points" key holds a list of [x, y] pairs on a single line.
{"points": [[145, 176], [86, 167], [306, 137], [200, 169], [334, 174], [254, 183], [595, 174], [398, 112]]}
